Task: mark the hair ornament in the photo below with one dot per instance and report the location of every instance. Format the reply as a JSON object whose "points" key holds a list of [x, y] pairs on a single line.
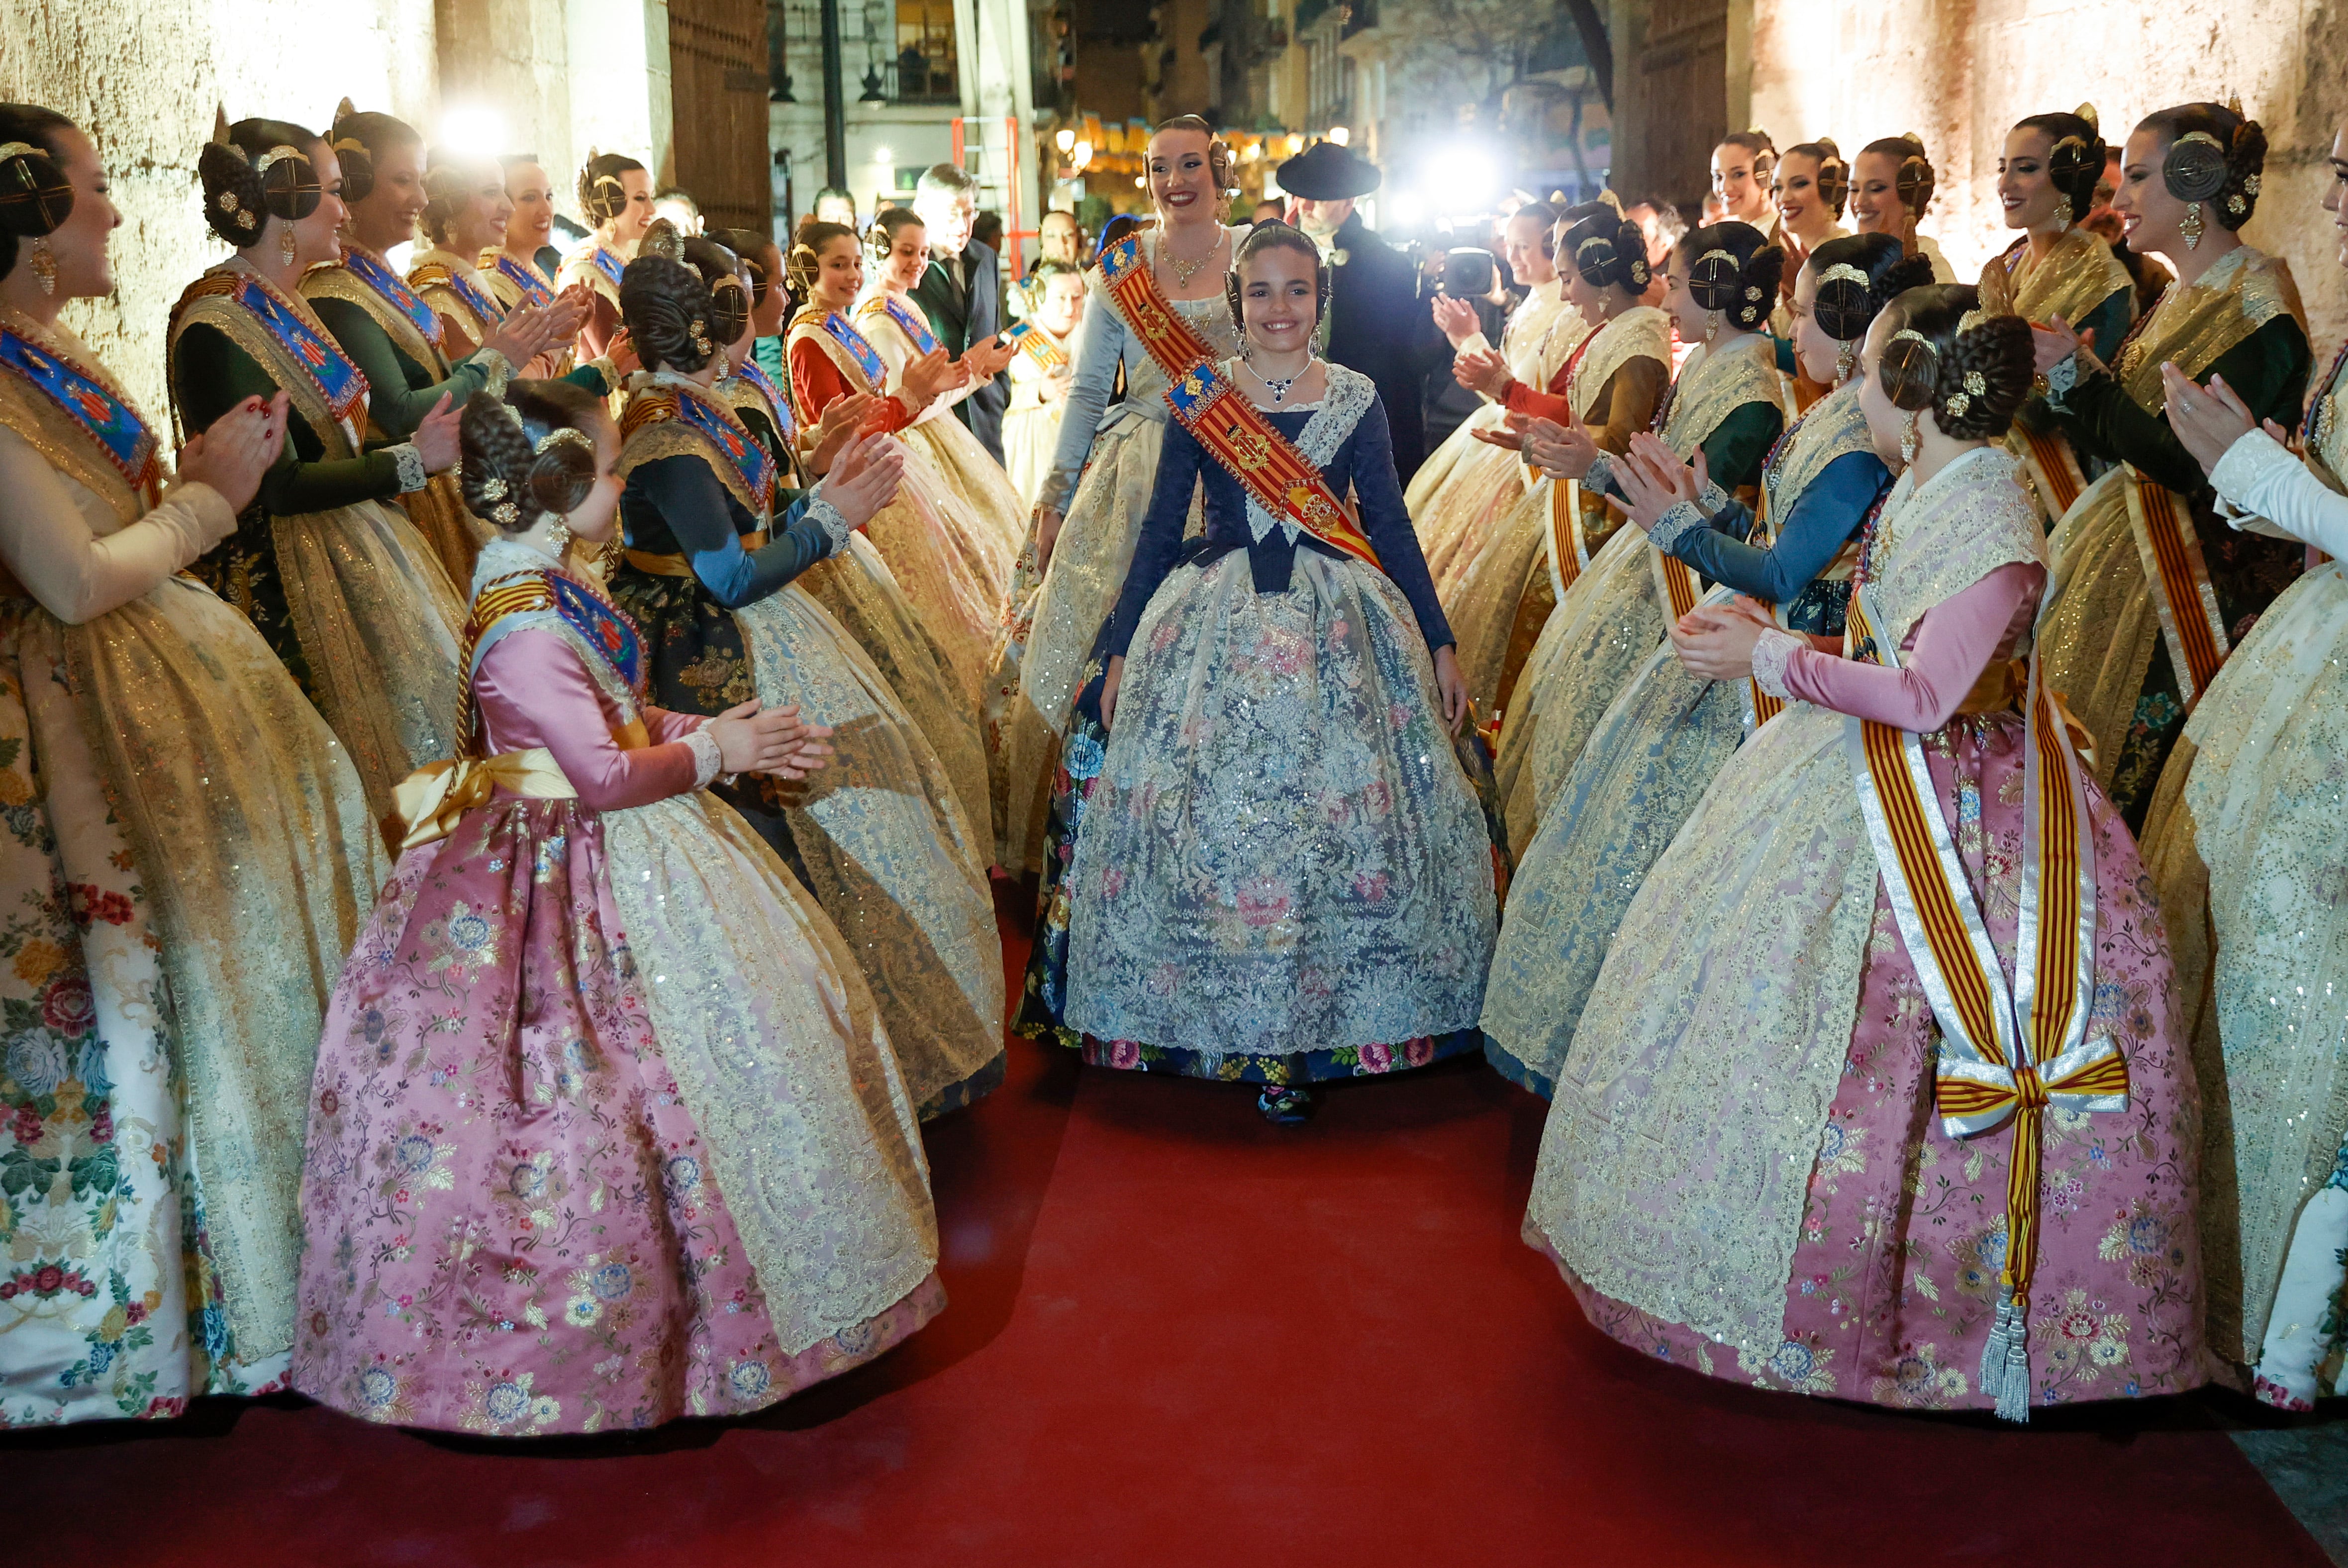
{"points": [[1843, 272], [1606, 194], [281, 152], [2196, 167], [2086, 111], [506, 515], [661, 239], [562, 436], [493, 487], [220, 126], [1970, 320]]}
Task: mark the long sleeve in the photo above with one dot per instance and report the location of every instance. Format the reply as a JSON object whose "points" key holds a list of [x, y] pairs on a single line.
{"points": [[1734, 452], [535, 674], [1379, 494], [2272, 492], [211, 375], [1160, 542], [78, 575], [602, 326], [1097, 362], [1954, 644], [817, 384], [1812, 533], [1630, 398], [2268, 370], [896, 351], [700, 515], [396, 404]]}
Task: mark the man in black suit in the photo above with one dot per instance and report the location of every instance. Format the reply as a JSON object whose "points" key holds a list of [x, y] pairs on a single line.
{"points": [[1378, 323], [962, 292]]}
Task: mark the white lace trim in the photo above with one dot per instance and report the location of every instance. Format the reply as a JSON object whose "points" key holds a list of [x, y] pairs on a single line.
{"points": [[1679, 520], [1348, 397], [410, 464], [1770, 654], [707, 759], [828, 517]]}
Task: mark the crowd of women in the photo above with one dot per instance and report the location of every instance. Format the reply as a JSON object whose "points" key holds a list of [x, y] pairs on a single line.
{"points": [[499, 832]]}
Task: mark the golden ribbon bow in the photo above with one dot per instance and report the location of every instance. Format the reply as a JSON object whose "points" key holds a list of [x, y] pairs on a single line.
{"points": [[431, 801]]}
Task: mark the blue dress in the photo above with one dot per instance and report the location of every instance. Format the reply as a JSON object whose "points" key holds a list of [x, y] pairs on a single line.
{"points": [[1281, 872]]}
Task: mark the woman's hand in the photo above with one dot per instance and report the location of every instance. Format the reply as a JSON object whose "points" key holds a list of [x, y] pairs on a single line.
{"points": [[1564, 451], [2051, 343], [2208, 419], [838, 425], [529, 331], [1109, 683], [932, 376], [1047, 534], [234, 454], [865, 478], [771, 741], [1507, 438], [987, 359], [1455, 318], [622, 352], [1054, 388], [1483, 371], [436, 437], [1453, 685], [1653, 480], [1715, 641]]}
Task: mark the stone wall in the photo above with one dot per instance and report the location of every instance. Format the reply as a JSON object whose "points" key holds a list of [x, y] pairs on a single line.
{"points": [[1961, 74]]}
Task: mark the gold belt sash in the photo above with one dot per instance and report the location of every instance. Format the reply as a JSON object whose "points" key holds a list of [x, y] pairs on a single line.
{"points": [[2006, 1053], [2181, 592], [430, 802], [2054, 469], [1569, 548], [681, 565]]}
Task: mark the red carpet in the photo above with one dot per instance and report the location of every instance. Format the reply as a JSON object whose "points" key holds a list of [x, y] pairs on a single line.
{"points": [[1179, 1335]]}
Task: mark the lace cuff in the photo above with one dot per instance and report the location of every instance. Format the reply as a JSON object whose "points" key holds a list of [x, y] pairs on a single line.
{"points": [[410, 463], [496, 371], [1680, 520], [1712, 500], [707, 759], [2253, 457], [1769, 656], [2078, 366], [1599, 480], [828, 517]]}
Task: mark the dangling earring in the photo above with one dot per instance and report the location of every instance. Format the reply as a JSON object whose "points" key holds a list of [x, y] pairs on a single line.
{"points": [[44, 263], [285, 245], [2191, 226], [1844, 354], [558, 540], [1907, 441], [2063, 216], [1711, 328]]}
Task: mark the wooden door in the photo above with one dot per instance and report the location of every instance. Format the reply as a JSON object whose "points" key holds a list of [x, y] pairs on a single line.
{"points": [[717, 65], [1679, 83]]}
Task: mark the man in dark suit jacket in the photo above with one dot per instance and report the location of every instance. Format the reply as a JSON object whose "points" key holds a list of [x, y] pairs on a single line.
{"points": [[962, 292], [1378, 323]]}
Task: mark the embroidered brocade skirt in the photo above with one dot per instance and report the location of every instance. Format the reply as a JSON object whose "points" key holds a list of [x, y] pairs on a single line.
{"points": [[666, 1173], [1282, 871], [1743, 1170]]}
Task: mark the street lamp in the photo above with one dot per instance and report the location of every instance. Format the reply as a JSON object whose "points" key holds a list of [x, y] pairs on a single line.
{"points": [[1080, 155], [1340, 135], [1064, 139]]}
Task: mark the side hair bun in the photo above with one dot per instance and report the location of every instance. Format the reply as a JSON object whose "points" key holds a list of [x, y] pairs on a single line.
{"points": [[526, 455], [36, 196]]}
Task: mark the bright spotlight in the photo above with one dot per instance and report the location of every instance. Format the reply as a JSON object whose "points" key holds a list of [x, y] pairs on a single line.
{"points": [[1064, 139], [1081, 154], [885, 156], [1340, 135], [1469, 176], [1408, 210], [473, 130]]}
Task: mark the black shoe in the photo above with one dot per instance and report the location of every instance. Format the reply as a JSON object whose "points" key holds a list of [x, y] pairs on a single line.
{"points": [[1285, 1105]]}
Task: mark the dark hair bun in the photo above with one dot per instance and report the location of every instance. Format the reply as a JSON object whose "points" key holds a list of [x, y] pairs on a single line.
{"points": [[2195, 167], [603, 195], [1848, 305], [512, 472], [668, 311], [262, 170], [358, 139], [1607, 250], [1735, 270], [2215, 155], [1972, 371], [729, 297], [36, 196]]}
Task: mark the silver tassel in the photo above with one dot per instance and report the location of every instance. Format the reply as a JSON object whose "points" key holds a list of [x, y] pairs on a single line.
{"points": [[2013, 1398], [1993, 1353]]}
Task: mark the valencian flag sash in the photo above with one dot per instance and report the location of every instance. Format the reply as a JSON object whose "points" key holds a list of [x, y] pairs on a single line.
{"points": [[112, 424], [913, 322], [339, 381], [430, 802], [1162, 332], [714, 423], [1569, 548], [1036, 345], [778, 407], [867, 358], [1284, 481], [370, 270], [2054, 469], [486, 311], [2007, 1053], [2171, 552], [607, 264], [533, 288]]}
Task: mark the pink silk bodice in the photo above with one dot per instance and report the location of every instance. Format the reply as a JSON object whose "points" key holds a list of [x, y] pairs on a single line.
{"points": [[1945, 654], [534, 691]]}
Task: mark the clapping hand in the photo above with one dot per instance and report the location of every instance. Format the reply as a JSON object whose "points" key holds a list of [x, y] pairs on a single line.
{"points": [[1653, 480], [1482, 371], [1457, 319], [864, 479], [774, 740], [436, 438], [1564, 451], [2209, 419], [1716, 641], [2052, 341], [838, 424], [234, 454], [932, 376], [987, 359]]}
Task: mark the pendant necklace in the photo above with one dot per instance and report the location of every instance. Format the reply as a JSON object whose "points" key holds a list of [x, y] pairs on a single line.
{"points": [[1277, 386], [1184, 271]]}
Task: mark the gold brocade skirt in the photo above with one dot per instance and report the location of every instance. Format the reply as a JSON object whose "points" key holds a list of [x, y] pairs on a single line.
{"points": [[1500, 599], [259, 858], [1456, 496], [454, 536], [378, 620], [2100, 627]]}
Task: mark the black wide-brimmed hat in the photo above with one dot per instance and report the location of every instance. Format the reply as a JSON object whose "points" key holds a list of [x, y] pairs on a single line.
{"points": [[1325, 171]]}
